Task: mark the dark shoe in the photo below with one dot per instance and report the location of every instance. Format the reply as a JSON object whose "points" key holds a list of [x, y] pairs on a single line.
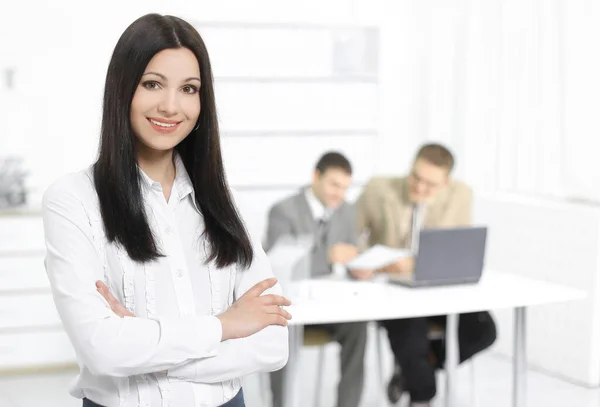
{"points": [[396, 387]]}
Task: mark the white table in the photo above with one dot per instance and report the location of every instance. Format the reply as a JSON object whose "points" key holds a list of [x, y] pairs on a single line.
{"points": [[335, 301]]}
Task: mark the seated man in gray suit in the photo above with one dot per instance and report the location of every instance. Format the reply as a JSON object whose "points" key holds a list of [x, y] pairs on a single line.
{"points": [[320, 210]]}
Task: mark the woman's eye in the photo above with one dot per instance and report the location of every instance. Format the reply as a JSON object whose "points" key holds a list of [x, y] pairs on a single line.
{"points": [[151, 85], [189, 89]]}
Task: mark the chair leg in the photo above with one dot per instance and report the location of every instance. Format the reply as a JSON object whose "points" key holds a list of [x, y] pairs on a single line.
{"points": [[318, 384], [379, 337], [261, 387], [474, 401], [379, 356]]}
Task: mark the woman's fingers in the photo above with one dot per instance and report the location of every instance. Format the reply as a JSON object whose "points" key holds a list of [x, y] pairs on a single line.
{"points": [[115, 305], [275, 309], [273, 299], [275, 319]]}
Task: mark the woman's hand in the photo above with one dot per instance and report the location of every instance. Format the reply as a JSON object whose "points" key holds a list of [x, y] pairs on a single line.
{"points": [[115, 305], [253, 312], [248, 315]]}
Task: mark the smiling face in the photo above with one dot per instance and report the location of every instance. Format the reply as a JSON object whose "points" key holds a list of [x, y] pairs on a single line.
{"points": [[166, 104]]}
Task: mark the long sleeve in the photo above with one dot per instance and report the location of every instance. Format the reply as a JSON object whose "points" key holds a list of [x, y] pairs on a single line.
{"points": [[351, 231], [105, 343], [459, 209], [365, 210], [265, 351], [465, 211], [278, 225], [362, 213]]}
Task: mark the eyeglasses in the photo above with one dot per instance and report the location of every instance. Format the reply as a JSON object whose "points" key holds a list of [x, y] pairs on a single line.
{"points": [[420, 180]]}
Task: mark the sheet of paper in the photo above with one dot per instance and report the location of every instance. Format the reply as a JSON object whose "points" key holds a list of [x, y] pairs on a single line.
{"points": [[377, 256]]}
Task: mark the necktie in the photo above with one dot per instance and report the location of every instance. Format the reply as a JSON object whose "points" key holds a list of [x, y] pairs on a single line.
{"points": [[415, 229], [322, 227], [321, 232]]}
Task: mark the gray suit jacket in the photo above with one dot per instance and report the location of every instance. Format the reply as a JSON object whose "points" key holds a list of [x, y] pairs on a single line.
{"points": [[293, 217]]}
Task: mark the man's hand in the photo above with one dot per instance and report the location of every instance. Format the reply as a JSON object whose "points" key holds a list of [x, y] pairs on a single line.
{"points": [[362, 274], [342, 253], [115, 305], [404, 265]]}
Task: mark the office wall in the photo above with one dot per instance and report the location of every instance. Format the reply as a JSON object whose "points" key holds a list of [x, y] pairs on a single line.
{"points": [[288, 85]]}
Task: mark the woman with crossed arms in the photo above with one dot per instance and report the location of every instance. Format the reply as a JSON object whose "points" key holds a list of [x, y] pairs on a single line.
{"points": [[165, 296]]}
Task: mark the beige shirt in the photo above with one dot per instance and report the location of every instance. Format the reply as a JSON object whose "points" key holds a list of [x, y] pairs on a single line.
{"points": [[384, 211]]}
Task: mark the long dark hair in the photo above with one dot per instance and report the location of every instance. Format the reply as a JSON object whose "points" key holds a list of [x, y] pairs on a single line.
{"points": [[116, 175]]}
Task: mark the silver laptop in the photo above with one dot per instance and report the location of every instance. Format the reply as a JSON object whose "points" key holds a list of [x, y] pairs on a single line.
{"points": [[447, 256]]}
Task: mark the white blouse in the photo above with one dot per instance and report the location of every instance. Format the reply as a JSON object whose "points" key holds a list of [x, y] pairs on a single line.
{"points": [[171, 353]]}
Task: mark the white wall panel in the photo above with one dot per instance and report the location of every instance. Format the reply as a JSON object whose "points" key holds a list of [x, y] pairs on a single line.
{"points": [[21, 234], [22, 350], [277, 52], [290, 160], [16, 311], [296, 106], [23, 273]]}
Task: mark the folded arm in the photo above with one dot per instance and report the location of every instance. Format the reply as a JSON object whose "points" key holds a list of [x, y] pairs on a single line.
{"points": [[265, 351], [105, 343]]}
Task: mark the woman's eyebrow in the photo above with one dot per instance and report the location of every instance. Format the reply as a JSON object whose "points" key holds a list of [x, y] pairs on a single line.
{"points": [[164, 78]]}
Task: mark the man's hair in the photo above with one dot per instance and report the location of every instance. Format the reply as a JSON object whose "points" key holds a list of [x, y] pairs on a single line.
{"points": [[333, 159], [437, 155]]}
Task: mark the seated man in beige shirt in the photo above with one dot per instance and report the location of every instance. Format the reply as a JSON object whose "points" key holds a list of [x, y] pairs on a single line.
{"points": [[385, 216]]}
